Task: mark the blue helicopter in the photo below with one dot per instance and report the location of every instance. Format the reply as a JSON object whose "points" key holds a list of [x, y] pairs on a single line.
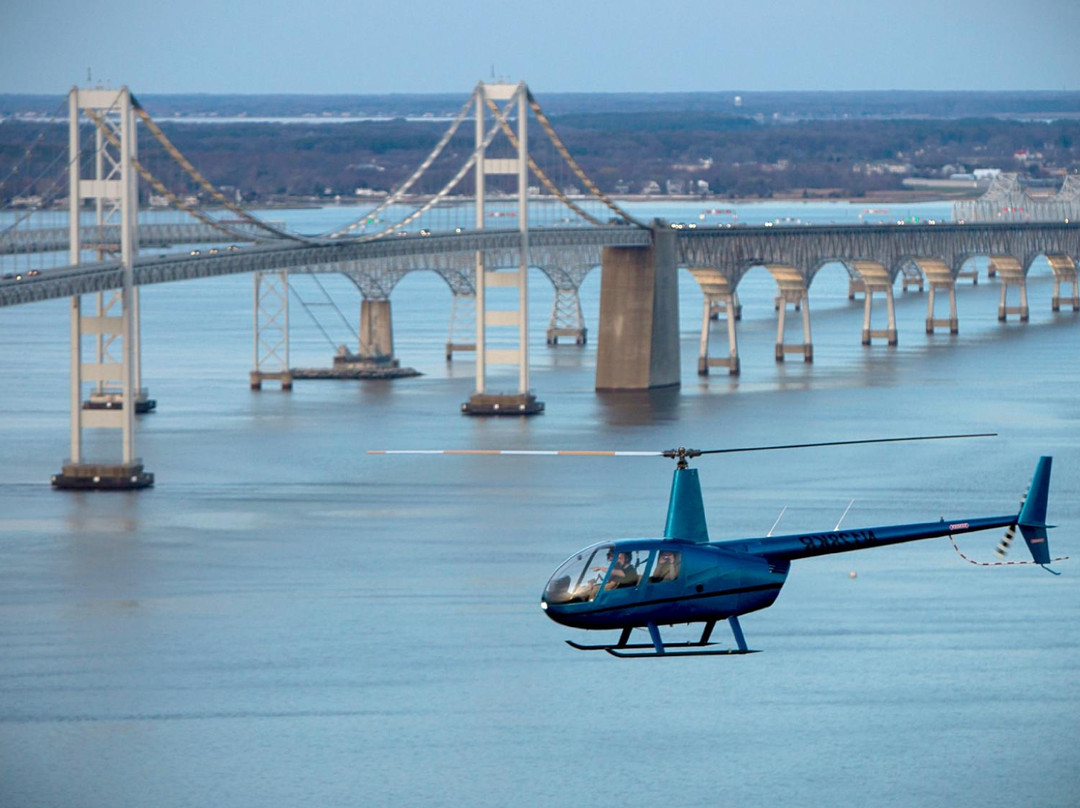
{"points": [[682, 577]]}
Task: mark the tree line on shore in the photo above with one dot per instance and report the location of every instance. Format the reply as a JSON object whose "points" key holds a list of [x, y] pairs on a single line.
{"points": [[706, 152]]}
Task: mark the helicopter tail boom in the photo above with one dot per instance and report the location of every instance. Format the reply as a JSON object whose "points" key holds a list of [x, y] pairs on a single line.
{"points": [[1031, 520], [809, 545]]}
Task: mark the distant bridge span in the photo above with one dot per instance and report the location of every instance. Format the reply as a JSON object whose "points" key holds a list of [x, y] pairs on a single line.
{"points": [[638, 344], [730, 251], [553, 247], [23, 241], [735, 250]]}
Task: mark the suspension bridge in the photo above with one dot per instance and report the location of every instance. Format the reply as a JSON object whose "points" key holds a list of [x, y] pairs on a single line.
{"points": [[470, 214]]}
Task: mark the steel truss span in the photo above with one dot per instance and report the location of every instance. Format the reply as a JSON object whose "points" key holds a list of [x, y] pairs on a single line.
{"points": [[733, 251], [439, 253]]}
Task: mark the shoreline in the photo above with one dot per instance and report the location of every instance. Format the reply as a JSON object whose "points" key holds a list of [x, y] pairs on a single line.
{"points": [[882, 197]]}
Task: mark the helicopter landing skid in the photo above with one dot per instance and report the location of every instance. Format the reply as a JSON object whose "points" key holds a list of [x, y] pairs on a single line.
{"points": [[666, 653], [658, 647], [633, 646]]}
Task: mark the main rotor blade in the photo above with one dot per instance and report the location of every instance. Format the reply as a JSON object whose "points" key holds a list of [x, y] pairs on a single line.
{"points": [[845, 443], [673, 453], [532, 452]]}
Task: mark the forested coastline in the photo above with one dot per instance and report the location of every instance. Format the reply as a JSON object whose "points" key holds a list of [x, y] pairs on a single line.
{"points": [[811, 145]]}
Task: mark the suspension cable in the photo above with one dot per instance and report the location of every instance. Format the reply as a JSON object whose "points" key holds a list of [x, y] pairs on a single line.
{"points": [[570, 161], [307, 308], [400, 191], [453, 180], [539, 172], [158, 185], [330, 302], [48, 195], [205, 184]]}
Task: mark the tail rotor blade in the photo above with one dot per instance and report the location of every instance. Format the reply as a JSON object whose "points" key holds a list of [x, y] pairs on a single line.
{"points": [[1010, 533], [1006, 542]]}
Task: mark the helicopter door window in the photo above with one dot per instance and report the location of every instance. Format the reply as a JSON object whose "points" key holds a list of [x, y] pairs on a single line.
{"points": [[579, 578], [628, 569], [666, 567]]}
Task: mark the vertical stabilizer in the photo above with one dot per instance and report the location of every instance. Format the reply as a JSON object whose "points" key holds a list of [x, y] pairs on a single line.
{"points": [[1032, 518], [686, 510]]}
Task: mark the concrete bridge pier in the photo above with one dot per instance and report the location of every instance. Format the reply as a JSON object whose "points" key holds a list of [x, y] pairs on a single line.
{"points": [[1064, 272], [720, 301], [806, 348], [376, 336], [889, 332], [374, 357], [720, 309], [727, 308], [791, 292], [638, 343], [1012, 274], [941, 280], [876, 279]]}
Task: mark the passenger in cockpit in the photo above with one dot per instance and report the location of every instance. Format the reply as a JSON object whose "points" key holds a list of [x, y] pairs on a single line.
{"points": [[666, 569]]}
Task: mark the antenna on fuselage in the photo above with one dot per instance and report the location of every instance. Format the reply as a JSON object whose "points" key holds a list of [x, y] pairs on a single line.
{"points": [[848, 508], [778, 518]]}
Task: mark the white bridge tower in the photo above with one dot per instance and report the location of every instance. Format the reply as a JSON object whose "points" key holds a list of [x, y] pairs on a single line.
{"points": [[112, 184], [521, 402]]}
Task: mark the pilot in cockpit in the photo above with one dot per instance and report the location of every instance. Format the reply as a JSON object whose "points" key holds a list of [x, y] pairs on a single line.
{"points": [[623, 572]]}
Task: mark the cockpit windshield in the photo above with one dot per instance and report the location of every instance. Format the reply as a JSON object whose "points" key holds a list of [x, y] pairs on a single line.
{"points": [[579, 578]]}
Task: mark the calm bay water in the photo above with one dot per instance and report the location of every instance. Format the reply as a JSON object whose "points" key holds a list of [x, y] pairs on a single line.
{"points": [[286, 620]]}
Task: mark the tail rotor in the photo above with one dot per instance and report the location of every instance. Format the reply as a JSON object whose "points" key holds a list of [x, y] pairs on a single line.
{"points": [[1010, 533]]}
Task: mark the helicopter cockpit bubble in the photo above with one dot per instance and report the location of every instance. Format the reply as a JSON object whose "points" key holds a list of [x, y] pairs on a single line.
{"points": [[579, 578]]}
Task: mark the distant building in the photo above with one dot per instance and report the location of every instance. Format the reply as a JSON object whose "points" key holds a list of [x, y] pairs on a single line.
{"points": [[703, 164], [884, 167]]}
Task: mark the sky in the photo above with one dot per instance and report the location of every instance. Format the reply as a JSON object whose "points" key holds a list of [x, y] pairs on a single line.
{"points": [[433, 46]]}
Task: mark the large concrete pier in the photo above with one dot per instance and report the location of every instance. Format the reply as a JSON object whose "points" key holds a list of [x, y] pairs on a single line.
{"points": [[638, 344]]}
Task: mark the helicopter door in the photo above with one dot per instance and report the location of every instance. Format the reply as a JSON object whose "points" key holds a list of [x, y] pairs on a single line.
{"points": [[627, 570]]}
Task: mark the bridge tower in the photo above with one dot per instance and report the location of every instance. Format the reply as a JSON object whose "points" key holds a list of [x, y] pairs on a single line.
{"points": [[113, 187], [522, 402], [271, 344]]}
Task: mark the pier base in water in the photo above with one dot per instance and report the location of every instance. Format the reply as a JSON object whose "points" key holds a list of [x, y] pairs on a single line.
{"points": [[103, 477], [502, 404]]}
